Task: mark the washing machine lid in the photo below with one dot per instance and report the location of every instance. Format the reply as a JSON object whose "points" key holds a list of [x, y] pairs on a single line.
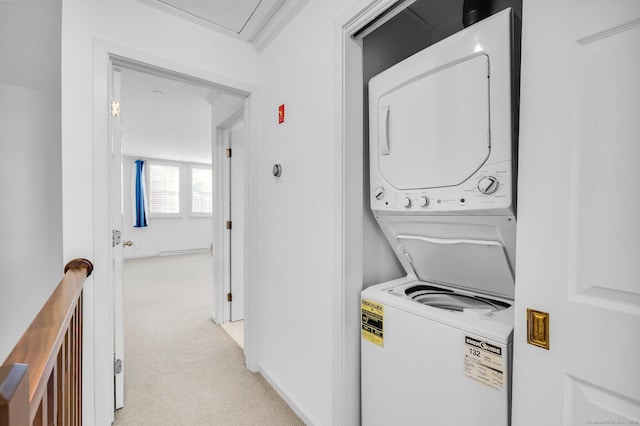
{"points": [[433, 131], [471, 264]]}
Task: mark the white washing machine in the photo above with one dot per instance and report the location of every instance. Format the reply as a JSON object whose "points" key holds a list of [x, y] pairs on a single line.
{"points": [[436, 344], [445, 362]]}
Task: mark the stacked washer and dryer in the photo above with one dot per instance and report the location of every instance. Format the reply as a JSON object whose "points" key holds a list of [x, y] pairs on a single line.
{"points": [[436, 344]]}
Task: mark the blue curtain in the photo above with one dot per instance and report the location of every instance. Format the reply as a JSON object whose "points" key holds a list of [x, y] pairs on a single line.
{"points": [[140, 195]]}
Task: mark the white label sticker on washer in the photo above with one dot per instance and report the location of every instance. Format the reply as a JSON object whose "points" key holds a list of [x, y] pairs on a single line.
{"points": [[484, 362]]}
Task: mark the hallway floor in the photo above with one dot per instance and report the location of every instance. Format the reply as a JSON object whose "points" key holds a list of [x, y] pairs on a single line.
{"points": [[235, 329], [180, 367]]}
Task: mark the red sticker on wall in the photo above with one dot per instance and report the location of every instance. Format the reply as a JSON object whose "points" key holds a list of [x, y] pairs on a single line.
{"points": [[281, 114]]}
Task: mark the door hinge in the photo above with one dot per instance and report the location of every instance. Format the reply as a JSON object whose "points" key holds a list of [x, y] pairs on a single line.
{"points": [[229, 224], [115, 109], [117, 366], [229, 297], [116, 237], [228, 152]]}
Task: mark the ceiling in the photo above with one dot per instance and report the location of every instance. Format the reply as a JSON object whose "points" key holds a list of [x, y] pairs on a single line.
{"points": [[163, 118], [254, 21], [168, 119]]}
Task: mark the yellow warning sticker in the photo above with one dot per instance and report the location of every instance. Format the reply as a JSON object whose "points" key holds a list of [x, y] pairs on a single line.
{"points": [[372, 321]]}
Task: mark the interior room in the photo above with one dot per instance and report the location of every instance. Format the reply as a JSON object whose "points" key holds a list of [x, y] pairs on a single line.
{"points": [[323, 219]]}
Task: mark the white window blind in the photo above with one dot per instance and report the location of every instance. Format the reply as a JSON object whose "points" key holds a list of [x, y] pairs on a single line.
{"points": [[201, 190], [164, 189]]}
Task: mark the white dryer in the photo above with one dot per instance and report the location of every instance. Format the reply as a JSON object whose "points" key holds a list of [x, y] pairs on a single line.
{"points": [[441, 126], [436, 344]]}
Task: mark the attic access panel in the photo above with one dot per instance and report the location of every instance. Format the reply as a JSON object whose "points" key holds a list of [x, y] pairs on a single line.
{"points": [[232, 16], [242, 19]]}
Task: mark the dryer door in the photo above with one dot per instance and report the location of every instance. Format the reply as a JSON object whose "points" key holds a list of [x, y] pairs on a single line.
{"points": [[434, 130]]}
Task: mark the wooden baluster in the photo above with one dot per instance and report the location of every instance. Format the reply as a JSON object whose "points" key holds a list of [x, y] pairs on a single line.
{"points": [[51, 400], [74, 372], [67, 378], [37, 419], [53, 392], [72, 367], [80, 310], [14, 395], [60, 388]]}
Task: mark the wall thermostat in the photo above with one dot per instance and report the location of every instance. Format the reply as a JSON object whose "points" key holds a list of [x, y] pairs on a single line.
{"points": [[277, 170]]}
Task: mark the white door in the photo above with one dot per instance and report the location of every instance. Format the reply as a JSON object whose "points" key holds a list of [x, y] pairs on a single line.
{"points": [[578, 251], [419, 131], [236, 139], [116, 224]]}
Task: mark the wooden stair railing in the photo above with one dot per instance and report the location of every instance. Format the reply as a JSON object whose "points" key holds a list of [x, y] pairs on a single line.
{"points": [[41, 379]]}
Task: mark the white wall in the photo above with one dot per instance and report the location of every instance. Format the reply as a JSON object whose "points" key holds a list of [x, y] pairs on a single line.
{"points": [[164, 234], [90, 29], [298, 288], [296, 223], [31, 263]]}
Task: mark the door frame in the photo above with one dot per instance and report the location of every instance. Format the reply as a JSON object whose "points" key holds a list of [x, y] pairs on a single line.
{"points": [[117, 261], [98, 389], [349, 200], [222, 262]]}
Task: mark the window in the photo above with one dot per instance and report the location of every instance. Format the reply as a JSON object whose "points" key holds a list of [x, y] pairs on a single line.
{"points": [[164, 189], [201, 191]]}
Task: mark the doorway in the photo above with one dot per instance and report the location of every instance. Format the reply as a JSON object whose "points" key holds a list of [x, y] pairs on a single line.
{"points": [[177, 143], [229, 284]]}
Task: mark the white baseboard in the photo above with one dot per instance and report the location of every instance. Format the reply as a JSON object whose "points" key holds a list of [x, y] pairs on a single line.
{"points": [[184, 251], [168, 253], [289, 399]]}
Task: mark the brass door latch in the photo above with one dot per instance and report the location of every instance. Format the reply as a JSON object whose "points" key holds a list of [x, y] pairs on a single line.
{"points": [[538, 328]]}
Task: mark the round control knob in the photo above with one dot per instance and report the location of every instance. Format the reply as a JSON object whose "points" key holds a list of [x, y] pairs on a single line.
{"points": [[379, 193], [407, 202], [488, 185], [424, 201]]}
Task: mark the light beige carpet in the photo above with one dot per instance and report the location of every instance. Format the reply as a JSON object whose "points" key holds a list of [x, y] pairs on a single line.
{"points": [[181, 368]]}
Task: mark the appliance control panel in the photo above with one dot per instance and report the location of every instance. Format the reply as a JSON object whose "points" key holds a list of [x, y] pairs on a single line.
{"points": [[490, 188]]}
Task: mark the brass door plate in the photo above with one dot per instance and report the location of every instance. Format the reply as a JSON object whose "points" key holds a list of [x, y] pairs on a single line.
{"points": [[538, 328]]}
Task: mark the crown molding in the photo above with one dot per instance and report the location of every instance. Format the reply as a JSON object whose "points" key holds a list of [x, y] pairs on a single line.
{"points": [[274, 25]]}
